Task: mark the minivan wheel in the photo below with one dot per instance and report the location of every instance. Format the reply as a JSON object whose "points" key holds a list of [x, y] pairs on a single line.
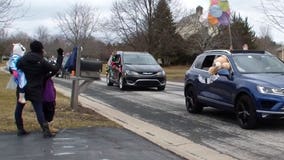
{"points": [[121, 83], [191, 102], [108, 81], [245, 112]]}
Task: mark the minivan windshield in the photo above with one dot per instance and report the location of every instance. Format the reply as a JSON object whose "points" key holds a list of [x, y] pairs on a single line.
{"points": [[139, 59], [258, 63]]}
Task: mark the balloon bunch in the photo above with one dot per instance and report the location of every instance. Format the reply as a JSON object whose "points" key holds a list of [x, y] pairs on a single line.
{"points": [[219, 13]]}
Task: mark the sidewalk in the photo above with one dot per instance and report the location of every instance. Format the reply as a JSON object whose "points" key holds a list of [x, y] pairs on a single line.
{"points": [[82, 144]]}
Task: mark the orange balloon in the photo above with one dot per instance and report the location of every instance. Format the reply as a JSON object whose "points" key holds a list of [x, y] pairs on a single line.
{"points": [[212, 20]]}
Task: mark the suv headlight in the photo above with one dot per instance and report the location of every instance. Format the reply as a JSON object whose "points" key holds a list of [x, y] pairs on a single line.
{"points": [[129, 72], [161, 73], [269, 90]]}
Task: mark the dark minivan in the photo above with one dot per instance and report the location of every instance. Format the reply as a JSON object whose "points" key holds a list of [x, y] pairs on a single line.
{"points": [[138, 69]]}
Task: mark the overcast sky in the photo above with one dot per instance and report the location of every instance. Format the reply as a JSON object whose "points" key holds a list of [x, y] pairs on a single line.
{"points": [[43, 13]]}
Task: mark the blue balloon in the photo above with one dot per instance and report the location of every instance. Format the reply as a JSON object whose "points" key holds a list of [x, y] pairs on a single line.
{"points": [[215, 11]]}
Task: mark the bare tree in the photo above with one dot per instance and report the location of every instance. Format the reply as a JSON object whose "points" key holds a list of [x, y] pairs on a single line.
{"points": [[3, 34], [9, 12], [3, 43], [132, 20], [78, 23], [265, 41], [273, 9], [21, 37], [178, 9], [7, 41], [42, 34]]}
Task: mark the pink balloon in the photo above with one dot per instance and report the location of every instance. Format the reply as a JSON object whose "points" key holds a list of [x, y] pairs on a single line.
{"points": [[213, 2]]}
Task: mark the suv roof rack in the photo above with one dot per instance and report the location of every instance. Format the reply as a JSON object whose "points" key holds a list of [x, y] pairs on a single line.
{"points": [[247, 51], [228, 52], [218, 50]]}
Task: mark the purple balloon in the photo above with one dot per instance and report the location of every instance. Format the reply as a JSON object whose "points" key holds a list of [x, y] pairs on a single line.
{"points": [[224, 19]]}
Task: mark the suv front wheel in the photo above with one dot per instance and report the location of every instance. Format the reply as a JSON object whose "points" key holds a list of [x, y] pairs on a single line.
{"points": [[245, 112]]}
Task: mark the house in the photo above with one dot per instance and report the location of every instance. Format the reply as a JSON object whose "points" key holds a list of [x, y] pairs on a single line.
{"points": [[191, 24]]}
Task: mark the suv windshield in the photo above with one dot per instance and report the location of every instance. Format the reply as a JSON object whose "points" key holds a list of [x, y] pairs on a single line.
{"points": [[139, 59], [258, 63]]}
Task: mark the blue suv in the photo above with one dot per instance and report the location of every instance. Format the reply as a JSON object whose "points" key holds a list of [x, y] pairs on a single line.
{"points": [[253, 88]]}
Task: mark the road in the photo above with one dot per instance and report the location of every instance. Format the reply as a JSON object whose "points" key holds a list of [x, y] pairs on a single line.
{"points": [[214, 129]]}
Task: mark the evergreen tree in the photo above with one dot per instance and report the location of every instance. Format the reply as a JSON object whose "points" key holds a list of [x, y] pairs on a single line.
{"points": [[165, 39], [241, 32]]}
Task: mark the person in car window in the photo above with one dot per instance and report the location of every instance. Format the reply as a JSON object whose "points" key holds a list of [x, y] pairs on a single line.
{"points": [[115, 64], [245, 46]]}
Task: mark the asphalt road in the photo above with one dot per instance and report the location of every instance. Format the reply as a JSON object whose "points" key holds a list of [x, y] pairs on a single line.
{"points": [[215, 129]]}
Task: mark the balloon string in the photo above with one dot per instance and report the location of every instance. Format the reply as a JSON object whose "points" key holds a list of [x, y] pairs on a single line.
{"points": [[230, 35]]}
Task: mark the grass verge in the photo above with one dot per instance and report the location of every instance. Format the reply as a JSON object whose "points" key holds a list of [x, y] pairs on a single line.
{"points": [[65, 117], [176, 73]]}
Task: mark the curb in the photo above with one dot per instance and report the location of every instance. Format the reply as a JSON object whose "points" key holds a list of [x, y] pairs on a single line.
{"points": [[165, 139]]}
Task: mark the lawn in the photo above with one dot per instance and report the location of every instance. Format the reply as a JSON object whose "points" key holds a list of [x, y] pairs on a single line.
{"points": [[176, 73], [65, 117]]}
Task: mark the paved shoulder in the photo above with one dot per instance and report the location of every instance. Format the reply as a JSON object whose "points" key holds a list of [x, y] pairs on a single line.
{"points": [[83, 143]]}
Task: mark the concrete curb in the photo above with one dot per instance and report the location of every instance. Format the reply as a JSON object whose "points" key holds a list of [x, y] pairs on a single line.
{"points": [[167, 140]]}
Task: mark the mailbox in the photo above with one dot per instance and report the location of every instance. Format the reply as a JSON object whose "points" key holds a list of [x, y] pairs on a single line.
{"points": [[91, 68]]}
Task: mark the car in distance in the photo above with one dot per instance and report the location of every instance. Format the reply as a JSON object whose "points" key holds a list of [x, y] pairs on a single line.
{"points": [[138, 69], [253, 88]]}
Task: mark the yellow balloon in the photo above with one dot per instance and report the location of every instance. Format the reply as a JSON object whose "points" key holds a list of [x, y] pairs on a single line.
{"points": [[224, 5]]}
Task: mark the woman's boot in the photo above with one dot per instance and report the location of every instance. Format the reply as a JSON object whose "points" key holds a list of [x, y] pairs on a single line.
{"points": [[46, 131], [21, 131]]}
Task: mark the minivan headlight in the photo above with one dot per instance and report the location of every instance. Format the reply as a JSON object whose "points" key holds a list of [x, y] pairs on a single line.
{"points": [[129, 72], [270, 90], [161, 73]]}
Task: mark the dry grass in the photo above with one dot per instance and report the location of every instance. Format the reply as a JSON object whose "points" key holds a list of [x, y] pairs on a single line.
{"points": [[65, 117], [176, 73]]}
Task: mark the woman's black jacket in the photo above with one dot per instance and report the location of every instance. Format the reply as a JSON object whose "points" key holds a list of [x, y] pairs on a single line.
{"points": [[36, 68]]}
